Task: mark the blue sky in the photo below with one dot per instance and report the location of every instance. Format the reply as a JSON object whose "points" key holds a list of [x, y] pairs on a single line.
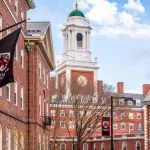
{"points": [[120, 37]]}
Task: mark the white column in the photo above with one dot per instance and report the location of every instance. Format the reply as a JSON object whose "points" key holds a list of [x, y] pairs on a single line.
{"points": [[69, 40], [64, 40], [73, 40]]}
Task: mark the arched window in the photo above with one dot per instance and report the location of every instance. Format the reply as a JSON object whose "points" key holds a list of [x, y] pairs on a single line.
{"points": [[138, 146], [7, 138], [79, 40], [15, 139], [85, 146], [124, 146], [16, 7], [102, 146], [0, 137], [63, 146], [0, 26]]}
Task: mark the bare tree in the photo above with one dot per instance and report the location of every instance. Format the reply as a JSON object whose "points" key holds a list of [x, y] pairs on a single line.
{"points": [[85, 104]]}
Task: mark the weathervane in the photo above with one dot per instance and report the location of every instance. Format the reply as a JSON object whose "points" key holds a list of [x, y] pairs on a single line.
{"points": [[76, 5]]}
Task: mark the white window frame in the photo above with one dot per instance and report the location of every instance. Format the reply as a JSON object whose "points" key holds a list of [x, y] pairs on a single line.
{"points": [[122, 125], [16, 4], [1, 91], [131, 125], [47, 109], [71, 113], [22, 58], [47, 81], [40, 104], [21, 98], [8, 87], [1, 23], [115, 126], [22, 14], [130, 103], [16, 52], [61, 145], [139, 114], [102, 146], [62, 113], [44, 75], [86, 147], [123, 115], [138, 102], [123, 145], [16, 92], [53, 112], [121, 101], [53, 122], [40, 69], [8, 137], [131, 116], [71, 124], [62, 123], [137, 143]]}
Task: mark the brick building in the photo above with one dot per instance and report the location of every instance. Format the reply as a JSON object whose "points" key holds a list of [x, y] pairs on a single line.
{"points": [[131, 133], [24, 109]]}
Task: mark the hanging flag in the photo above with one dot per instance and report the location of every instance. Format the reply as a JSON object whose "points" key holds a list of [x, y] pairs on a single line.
{"points": [[105, 126], [7, 49]]}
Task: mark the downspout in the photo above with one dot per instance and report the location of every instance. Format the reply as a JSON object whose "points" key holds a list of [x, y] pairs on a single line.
{"points": [[29, 48]]}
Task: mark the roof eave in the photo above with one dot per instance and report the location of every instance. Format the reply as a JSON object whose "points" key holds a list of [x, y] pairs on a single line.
{"points": [[29, 4]]}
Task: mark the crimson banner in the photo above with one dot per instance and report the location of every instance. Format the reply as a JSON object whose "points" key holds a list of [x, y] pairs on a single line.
{"points": [[105, 126]]}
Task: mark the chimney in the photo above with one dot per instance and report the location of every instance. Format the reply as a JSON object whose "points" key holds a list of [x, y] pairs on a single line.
{"points": [[146, 88], [100, 85], [120, 87]]}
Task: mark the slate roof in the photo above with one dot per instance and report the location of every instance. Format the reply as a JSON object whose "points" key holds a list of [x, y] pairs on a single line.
{"points": [[135, 97], [37, 28]]}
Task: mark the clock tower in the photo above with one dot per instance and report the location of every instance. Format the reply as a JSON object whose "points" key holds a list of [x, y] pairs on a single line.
{"points": [[76, 57]]}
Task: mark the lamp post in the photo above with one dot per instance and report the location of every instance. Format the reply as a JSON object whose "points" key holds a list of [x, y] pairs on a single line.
{"points": [[112, 97]]}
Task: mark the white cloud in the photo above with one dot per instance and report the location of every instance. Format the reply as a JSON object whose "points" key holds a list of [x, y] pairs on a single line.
{"points": [[67, 10], [135, 6], [102, 12], [59, 26], [83, 4]]}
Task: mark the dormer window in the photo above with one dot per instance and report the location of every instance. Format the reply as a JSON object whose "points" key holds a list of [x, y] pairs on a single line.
{"points": [[79, 40], [138, 103]]}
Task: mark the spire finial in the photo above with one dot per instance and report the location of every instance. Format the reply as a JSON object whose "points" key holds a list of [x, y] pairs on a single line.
{"points": [[76, 5]]}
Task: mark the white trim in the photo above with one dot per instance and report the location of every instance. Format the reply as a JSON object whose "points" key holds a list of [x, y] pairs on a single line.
{"points": [[22, 97], [16, 92], [8, 86]]}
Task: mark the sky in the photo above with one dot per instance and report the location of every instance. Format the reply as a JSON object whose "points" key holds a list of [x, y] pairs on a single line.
{"points": [[120, 36]]}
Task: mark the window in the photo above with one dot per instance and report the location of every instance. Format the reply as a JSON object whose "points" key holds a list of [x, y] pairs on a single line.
{"points": [[47, 80], [138, 146], [16, 52], [129, 103], [115, 126], [7, 138], [123, 116], [94, 146], [22, 58], [138, 103], [62, 113], [40, 101], [71, 114], [123, 126], [47, 109], [131, 126], [0, 91], [131, 116], [39, 69], [102, 146], [15, 92], [44, 76], [139, 127], [8, 92], [21, 98], [121, 102], [63, 146], [16, 7], [81, 113], [22, 15], [40, 146], [22, 141], [124, 146], [79, 40], [71, 124], [15, 139], [0, 137], [114, 114], [8, 30], [53, 113], [85, 146], [139, 115], [62, 124], [0, 26], [53, 123]]}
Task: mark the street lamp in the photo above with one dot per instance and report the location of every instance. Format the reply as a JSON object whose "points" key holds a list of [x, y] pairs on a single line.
{"points": [[112, 97]]}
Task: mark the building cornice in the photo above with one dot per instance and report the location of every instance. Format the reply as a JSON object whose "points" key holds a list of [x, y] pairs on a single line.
{"points": [[29, 4]]}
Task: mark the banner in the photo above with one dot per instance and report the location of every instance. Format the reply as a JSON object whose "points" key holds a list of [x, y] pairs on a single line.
{"points": [[105, 126], [7, 49]]}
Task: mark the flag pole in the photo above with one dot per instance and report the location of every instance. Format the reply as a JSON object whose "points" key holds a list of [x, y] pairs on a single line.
{"points": [[13, 25]]}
